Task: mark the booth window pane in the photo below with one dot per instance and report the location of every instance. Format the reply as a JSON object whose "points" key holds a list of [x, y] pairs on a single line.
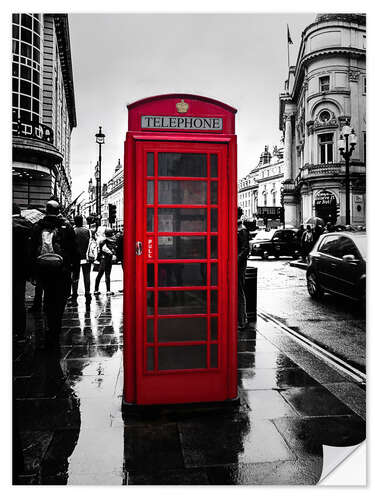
{"points": [[150, 164], [182, 247], [214, 273], [214, 301], [182, 274], [184, 220], [213, 356], [213, 247], [214, 220], [150, 359], [150, 220], [150, 330], [182, 329], [213, 159], [182, 165], [150, 192], [182, 357], [150, 303], [150, 275], [214, 192], [182, 192], [182, 302], [214, 320]]}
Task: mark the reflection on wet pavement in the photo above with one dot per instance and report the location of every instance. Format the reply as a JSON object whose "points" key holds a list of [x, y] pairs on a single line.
{"points": [[72, 430]]}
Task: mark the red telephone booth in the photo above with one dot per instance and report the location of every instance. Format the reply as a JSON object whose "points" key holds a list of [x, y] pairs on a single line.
{"points": [[180, 303]]}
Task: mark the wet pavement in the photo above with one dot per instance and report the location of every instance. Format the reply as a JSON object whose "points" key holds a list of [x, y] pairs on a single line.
{"points": [[335, 323], [72, 429]]}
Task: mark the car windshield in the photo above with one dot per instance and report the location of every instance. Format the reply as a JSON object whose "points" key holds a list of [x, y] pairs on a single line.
{"points": [[265, 235], [361, 242]]}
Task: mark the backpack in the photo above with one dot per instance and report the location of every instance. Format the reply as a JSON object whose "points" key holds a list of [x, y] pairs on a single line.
{"points": [[92, 250], [48, 261]]}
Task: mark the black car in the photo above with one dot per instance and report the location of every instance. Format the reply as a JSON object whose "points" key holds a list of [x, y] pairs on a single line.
{"points": [[276, 242], [337, 264]]}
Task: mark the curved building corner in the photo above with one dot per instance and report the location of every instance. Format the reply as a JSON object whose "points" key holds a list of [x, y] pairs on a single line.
{"points": [[43, 108], [325, 90]]}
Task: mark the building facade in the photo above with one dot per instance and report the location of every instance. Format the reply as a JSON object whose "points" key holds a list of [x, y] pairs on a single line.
{"points": [[325, 90], [113, 194], [43, 108], [259, 193]]}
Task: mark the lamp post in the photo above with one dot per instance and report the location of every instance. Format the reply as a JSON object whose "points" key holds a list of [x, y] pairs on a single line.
{"points": [[98, 174], [347, 143]]}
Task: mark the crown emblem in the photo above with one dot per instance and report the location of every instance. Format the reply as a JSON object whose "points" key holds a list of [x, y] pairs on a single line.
{"points": [[182, 106]]}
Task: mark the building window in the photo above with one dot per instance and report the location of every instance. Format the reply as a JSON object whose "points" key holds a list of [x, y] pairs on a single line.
{"points": [[26, 68], [326, 148], [364, 85], [324, 83], [274, 199], [364, 147], [324, 116]]}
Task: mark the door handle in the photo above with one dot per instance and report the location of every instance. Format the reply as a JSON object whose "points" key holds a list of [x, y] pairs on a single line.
{"points": [[138, 248]]}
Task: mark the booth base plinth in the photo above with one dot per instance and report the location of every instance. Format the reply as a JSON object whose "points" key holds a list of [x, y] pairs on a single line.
{"points": [[144, 411]]}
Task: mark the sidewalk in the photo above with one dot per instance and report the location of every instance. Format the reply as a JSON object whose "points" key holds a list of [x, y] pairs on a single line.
{"points": [[73, 432]]}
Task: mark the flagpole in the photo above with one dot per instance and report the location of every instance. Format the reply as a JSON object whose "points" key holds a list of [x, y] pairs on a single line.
{"points": [[287, 42]]}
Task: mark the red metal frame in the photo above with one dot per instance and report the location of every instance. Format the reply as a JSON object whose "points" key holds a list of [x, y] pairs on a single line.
{"points": [[178, 386]]}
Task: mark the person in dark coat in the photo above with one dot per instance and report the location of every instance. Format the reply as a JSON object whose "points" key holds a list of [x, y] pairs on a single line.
{"points": [[21, 229], [307, 242], [82, 235], [243, 249], [53, 236]]}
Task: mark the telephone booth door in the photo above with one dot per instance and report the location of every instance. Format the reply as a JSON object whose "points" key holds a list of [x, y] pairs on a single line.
{"points": [[181, 288]]}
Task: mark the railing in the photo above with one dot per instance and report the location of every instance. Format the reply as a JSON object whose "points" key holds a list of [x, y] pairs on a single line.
{"points": [[33, 130]]}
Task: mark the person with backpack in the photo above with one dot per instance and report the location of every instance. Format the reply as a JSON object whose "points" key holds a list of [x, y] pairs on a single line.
{"points": [[54, 254]]}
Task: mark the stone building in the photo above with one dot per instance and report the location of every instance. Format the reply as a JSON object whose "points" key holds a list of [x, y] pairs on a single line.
{"points": [[259, 193], [113, 193], [325, 90], [43, 108]]}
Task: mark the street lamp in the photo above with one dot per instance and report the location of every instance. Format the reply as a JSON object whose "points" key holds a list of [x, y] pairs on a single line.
{"points": [[347, 143], [98, 173]]}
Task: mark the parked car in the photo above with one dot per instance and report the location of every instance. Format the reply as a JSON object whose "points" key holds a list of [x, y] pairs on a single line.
{"points": [[337, 264], [276, 242]]}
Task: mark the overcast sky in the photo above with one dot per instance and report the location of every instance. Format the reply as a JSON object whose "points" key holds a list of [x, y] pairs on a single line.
{"points": [[240, 59]]}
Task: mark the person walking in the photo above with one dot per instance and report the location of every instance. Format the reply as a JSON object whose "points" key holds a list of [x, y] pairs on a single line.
{"points": [[82, 236], [106, 257], [54, 254], [120, 250], [307, 242], [299, 234], [21, 229], [243, 248]]}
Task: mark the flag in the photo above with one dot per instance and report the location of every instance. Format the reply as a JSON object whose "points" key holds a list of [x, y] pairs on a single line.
{"points": [[289, 37]]}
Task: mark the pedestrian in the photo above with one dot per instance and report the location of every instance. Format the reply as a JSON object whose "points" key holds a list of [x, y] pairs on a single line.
{"points": [[299, 234], [307, 242], [243, 249], [318, 231], [120, 250], [106, 257], [83, 237], [21, 229], [54, 254]]}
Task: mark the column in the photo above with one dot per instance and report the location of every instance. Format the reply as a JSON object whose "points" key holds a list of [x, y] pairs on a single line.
{"points": [[288, 147]]}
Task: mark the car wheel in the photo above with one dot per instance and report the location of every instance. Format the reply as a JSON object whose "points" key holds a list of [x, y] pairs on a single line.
{"points": [[313, 286]]}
